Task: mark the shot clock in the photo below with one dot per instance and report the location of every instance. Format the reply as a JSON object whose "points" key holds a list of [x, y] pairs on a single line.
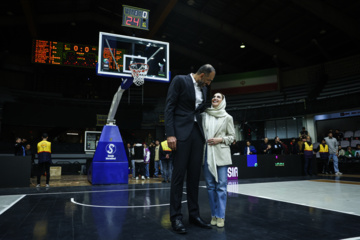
{"points": [[135, 17]]}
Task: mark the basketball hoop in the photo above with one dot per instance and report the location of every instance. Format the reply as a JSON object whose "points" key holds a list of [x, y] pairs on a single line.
{"points": [[139, 71]]}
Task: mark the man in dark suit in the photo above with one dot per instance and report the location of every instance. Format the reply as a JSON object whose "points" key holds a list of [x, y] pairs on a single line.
{"points": [[185, 101]]}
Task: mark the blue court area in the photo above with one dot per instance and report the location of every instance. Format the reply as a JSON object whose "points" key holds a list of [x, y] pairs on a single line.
{"points": [[274, 208]]}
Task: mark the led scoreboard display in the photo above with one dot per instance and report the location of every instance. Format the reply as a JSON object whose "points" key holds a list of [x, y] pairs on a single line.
{"points": [[135, 17], [69, 54]]}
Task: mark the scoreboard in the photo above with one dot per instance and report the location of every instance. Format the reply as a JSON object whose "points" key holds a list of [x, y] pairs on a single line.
{"points": [[135, 17], [68, 54]]}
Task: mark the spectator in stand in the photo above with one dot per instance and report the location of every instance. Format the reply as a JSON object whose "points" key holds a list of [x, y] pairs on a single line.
{"points": [[166, 161], [341, 154], [357, 151], [349, 154], [338, 135], [333, 151], [307, 149], [19, 149], [157, 161], [234, 148], [29, 152], [285, 148], [265, 147], [277, 146], [304, 133], [130, 156], [146, 160], [139, 161], [152, 156], [300, 143], [323, 149], [294, 147], [249, 149]]}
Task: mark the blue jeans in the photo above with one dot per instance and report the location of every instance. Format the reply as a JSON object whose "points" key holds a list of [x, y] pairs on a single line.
{"points": [[157, 164], [147, 170], [133, 168], [167, 171], [217, 191], [336, 162]]}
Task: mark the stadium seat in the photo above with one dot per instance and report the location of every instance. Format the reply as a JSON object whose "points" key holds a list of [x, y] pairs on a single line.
{"points": [[357, 133], [348, 134], [344, 144], [354, 143]]}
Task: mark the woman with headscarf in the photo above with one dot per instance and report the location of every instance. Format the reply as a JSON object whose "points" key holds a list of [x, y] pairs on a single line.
{"points": [[219, 131]]}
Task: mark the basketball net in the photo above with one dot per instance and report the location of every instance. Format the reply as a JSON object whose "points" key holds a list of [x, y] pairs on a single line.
{"points": [[139, 71]]}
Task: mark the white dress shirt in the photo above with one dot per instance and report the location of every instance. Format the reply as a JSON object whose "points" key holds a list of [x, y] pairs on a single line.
{"points": [[198, 94]]}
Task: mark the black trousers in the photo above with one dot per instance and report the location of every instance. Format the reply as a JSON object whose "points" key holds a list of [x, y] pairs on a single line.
{"points": [[139, 169], [187, 159], [44, 166]]}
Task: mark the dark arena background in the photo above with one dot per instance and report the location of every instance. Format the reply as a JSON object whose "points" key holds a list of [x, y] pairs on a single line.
{"points": [[283, 65]]}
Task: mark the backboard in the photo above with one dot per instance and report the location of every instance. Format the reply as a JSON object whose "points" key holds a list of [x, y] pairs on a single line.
{"points": [[117, 52]]}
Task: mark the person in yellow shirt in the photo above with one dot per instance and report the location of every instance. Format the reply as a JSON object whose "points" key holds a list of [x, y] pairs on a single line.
{"points": [[307, 150], [44, 157], [323, 149]]}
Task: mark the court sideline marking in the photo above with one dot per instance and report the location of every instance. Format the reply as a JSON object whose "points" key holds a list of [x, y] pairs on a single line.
{"points": [[12, 204]]}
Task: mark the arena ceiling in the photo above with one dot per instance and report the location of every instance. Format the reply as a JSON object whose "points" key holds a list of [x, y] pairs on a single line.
{"points": [[276, 33]]}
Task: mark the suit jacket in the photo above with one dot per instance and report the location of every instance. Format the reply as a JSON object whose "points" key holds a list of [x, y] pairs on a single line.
{"points": [[180, 108], [226, 131]]}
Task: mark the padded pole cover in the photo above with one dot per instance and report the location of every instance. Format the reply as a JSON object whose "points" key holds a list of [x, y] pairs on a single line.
{"points": [[110, 163]]}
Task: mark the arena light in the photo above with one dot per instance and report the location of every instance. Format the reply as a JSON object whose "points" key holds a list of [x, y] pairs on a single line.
{"points": [[72, 134], [242, 45]]}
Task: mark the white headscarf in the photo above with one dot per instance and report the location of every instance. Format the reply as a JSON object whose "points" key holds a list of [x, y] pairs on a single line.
{"points": [[211, 124]]}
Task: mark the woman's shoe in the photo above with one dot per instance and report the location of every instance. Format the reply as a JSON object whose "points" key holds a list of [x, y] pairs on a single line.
{"points": [[220, 222], [213, 221]]}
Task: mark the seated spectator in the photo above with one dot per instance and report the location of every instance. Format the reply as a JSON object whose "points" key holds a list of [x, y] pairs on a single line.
{"points": [[285, 148], [277, 147], [350, 154], [357, 151], [234, 148], [341, 153], [338, 135], [300, 143], [249, 149], [29, 152], [19, 149], [294, 147], [304, 133], [265, 147]]}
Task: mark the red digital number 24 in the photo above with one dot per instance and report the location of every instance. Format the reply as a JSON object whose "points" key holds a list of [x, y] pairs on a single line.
{"points": [[131, 19]]}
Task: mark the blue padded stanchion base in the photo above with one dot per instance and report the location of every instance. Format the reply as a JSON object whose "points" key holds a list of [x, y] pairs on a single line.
{"points": [[110, 163], [109, 173]]}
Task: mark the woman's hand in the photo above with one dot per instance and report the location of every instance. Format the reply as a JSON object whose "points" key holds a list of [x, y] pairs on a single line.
{"points": [[214, 141]]}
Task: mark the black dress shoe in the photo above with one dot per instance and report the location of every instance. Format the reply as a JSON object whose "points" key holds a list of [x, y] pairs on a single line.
{"points": [[178, 226], [199, 222]]}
